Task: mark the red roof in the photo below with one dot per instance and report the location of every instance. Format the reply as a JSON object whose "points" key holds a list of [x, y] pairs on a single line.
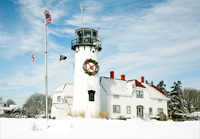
{"points": [[159, 90], [138, 84]]}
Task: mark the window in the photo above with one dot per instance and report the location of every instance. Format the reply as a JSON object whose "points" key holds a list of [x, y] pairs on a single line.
{"points": [[128, 109], [91, 95], [116, 96], [58, 98], [159, 100], [139, 94], [150, 111], [160, 110], [87, 36], [116, 108], [94, 35]]}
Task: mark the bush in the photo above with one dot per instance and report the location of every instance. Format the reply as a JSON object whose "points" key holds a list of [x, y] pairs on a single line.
{"points": [[81, 113], [69, 113], [103, 114], [75, 114], [95, 115], [121, 118], [163, 116]]}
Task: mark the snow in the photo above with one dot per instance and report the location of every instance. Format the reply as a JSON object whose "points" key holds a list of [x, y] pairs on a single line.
{"points": [[116, 86], [98, 128], [155, 93], [68, 90], [61, 106]]}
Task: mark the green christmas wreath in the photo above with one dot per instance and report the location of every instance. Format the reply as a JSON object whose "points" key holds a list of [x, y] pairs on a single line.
{"points": [[91, 69]]}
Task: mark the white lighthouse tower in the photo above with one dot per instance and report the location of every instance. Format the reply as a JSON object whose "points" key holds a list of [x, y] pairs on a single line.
{"points": [[86, 77]]}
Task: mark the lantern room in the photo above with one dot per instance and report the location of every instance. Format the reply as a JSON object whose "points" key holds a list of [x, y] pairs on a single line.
{"points": [[86, 37]]}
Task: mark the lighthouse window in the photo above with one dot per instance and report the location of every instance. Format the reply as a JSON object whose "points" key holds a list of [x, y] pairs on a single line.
{"points": [[87, 36], [79, 36], [94, 35], [91, 95]]}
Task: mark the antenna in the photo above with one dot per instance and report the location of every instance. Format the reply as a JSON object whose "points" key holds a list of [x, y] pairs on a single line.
{"points": [[81, 6], [98, 33]]}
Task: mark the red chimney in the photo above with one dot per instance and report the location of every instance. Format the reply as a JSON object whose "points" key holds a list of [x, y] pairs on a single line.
{"points": [[112, 74], [122, 77], [142, 79], [4, 105]]}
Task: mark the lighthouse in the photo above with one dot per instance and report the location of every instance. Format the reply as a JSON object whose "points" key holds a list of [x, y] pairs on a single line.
{"points": [[86, 98]]}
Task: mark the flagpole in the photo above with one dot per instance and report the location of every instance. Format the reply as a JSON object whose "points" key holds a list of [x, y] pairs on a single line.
{"points": [[45, 53]]}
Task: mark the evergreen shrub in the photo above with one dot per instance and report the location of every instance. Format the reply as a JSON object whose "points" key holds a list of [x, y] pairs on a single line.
{"points": [[162, 116], [121, 118]]}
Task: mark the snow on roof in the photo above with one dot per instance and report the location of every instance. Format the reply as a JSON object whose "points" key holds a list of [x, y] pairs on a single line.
{"points": [[123, 87], [154, 93], [7, 108], [68, 89], [61, 106], [116, 86], [159, 90], [14, 106]]}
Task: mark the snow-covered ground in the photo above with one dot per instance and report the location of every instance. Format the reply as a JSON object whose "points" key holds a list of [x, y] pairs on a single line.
{"points": [[97, 128]]}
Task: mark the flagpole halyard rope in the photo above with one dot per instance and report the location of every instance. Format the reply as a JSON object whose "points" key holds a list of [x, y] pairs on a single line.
{"points": [[57, 71], [36, 81]]}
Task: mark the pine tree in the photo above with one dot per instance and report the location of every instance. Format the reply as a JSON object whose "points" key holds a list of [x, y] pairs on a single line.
{"points": [[162, 86], [175, 104]]}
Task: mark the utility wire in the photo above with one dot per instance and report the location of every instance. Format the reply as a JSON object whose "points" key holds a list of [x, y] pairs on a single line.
{"points": [[13, 97]]}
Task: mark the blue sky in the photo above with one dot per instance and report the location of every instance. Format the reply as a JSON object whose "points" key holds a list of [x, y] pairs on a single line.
{"points": [[158, 39]]}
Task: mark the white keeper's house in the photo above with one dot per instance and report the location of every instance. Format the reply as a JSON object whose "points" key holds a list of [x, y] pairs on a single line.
{"points": [[91, 93]]}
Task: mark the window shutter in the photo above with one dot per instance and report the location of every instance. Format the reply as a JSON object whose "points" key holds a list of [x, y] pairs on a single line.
{"points": [[142, 111]]}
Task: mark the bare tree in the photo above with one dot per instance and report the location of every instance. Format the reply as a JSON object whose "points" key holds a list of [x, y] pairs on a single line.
{"points": [[1, 101], [10, 102], [190, 98], [36, 104]]}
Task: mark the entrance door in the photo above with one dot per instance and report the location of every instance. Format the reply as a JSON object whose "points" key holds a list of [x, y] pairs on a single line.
{"points": [[140, 111]]}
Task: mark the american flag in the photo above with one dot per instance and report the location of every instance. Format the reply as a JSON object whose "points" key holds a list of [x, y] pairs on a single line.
{"points": [[48, 17]]}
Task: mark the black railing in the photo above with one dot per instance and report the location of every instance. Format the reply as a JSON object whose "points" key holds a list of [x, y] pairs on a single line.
{"points": [[86, 42]]}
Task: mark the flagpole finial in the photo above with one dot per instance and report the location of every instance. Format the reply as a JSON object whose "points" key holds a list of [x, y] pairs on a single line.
{"points": [[81, 6]]}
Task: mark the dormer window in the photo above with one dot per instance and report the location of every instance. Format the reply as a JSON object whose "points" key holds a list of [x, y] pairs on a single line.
{"points": [[116, 96], [139, 94]]}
